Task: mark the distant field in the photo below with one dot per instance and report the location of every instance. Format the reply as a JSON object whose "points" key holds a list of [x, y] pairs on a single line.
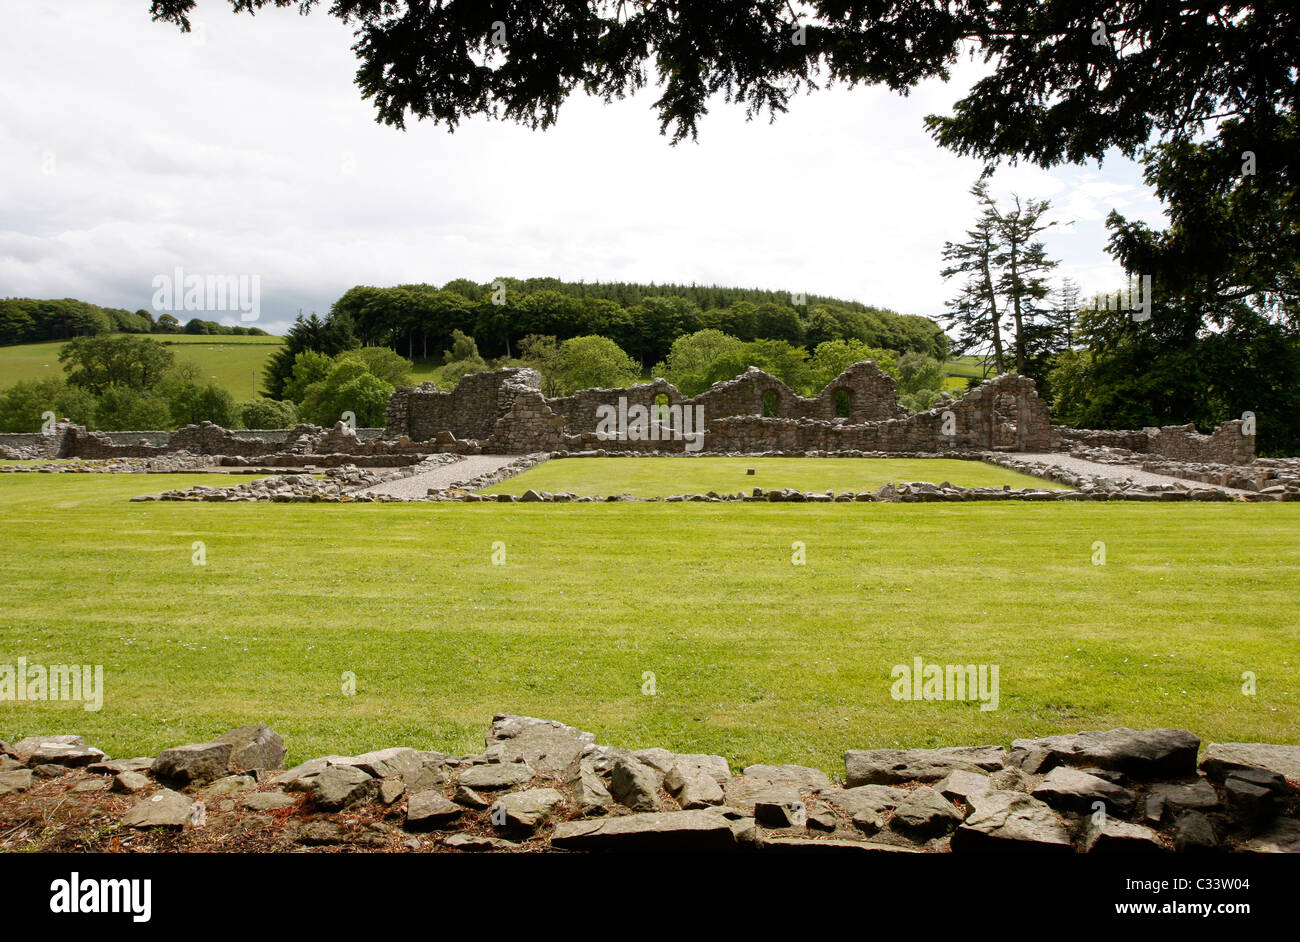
{"points": [[663, 477], [231, 361], [965, 367]]}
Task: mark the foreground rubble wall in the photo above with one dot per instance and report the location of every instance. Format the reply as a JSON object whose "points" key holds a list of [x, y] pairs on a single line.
{"points": [[541, 785]]}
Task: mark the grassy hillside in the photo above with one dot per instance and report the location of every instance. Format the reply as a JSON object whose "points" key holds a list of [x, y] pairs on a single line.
{"points": [[230, 361]]}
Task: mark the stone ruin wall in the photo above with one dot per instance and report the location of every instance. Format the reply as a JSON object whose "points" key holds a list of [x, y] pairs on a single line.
{"points": [[1003, 414], [1225, 445], [505, 412], [471, 410]]}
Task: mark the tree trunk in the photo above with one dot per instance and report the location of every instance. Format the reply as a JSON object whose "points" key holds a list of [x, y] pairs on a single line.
{"points": [[1015, 305], [993, 307]]}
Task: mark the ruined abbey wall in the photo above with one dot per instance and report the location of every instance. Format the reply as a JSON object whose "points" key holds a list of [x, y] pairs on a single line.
{"points": [[1225, 445], [754, 412], [505, 412]]}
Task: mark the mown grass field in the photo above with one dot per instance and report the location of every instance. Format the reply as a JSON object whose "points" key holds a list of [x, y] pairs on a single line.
{"points": [[663, 477], [753, 657], [230, 361]]}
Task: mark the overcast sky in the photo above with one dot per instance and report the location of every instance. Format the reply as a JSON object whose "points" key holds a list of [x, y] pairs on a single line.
{"points": [[128, 149]]}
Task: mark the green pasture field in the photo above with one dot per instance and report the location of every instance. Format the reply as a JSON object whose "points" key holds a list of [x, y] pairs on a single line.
{"points": [[751, 656], [230, 361]]}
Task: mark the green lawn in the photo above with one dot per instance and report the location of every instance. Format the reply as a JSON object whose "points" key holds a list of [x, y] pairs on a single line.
{"points": [[231, 361], [754, 658], [662, 477]]}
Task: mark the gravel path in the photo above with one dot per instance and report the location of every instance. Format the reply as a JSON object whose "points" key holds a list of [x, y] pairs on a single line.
{"points": [[1114, 472], [448, 475]]}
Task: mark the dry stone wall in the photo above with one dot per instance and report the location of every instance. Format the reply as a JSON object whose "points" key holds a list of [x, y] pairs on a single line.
{"points": [[542, 785]]}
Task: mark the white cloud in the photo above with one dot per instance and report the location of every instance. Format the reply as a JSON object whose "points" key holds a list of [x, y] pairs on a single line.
{"points": [[252, 152]]}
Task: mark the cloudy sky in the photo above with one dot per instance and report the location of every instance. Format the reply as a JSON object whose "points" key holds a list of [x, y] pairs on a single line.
{"points": [[128, 149]]}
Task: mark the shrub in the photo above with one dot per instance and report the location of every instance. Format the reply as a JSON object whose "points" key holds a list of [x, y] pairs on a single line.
{"points": [[192, 403], [586, 362], [24, 404], [268, 413], [689, 359], [833, 357], [348, 387], [123, 409], [917, 372]]}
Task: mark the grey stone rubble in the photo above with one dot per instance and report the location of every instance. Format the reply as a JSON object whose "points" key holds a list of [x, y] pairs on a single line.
{"points": [[1089, 475], [903, 492], [540, 784], [347, 484], [505, 412], [177, 463], [352, 484]]}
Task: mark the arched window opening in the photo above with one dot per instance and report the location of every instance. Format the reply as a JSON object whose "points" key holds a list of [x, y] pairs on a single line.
{"points": [[843, 403], [771, 403]]}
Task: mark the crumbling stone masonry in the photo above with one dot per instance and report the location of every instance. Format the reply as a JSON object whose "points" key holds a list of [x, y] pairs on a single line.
{"points": [[504, 412], [754, 412], [1226, 445]]}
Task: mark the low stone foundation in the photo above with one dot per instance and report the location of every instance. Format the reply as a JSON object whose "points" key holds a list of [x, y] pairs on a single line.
{"points": [[1226, 445], [542, 785]]}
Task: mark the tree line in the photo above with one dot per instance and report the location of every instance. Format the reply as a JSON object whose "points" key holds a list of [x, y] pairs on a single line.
{"points": [[417, 320], [29, 320]]}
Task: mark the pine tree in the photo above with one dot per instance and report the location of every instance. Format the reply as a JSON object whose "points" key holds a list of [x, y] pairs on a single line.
{"points": [[974, 312], [1006, 270], [1064, 310], [1023, 282]]}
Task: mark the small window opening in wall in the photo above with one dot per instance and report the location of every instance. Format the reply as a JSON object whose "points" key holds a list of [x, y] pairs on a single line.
{"points": [[659, 410], [843, 403], [771, 402]]}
